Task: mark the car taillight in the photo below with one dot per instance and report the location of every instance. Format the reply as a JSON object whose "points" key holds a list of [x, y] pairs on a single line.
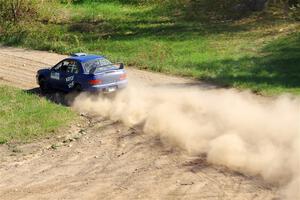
{"points": [[123, 77], [95, 82]]}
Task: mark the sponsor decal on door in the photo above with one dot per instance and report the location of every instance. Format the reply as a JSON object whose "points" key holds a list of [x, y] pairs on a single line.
{"points": [[54, 75]]}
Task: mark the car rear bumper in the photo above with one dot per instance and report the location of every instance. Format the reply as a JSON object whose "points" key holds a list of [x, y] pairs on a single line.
{"points": [[108, 87]]}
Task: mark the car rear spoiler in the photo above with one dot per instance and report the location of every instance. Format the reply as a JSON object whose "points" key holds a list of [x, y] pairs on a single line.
{"points": [[121, 65]]}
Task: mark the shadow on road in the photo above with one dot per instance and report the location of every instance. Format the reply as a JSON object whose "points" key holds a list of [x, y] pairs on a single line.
{"points": [[65, 98], [57, 97]]}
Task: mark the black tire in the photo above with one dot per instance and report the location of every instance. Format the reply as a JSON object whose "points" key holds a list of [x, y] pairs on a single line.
{"points": [[43, 84]]}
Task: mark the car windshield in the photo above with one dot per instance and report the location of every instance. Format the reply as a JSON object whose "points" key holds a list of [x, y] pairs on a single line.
{"points": [[98, 65]]}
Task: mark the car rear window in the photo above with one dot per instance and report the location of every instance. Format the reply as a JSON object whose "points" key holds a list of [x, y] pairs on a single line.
{"points": [[98, 65]]}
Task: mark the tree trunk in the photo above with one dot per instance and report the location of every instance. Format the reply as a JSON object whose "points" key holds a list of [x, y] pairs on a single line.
{"points": [[13, 10]]}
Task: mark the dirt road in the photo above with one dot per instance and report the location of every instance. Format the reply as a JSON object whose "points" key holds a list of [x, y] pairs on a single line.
{"points": [[101, 159]]}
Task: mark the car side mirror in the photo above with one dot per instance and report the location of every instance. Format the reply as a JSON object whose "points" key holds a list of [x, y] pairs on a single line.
{"points": [[121, 66]]}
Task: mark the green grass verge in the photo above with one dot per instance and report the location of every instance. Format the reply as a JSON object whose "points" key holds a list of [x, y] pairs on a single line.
{"points": [[257, 53], [26, 116]]}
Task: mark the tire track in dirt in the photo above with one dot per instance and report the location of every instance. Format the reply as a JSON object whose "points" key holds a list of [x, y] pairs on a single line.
{"points": [[16, 80], [22, 61], [26, 77], [16, 69], [23, 67], [111, 161], [13, 72]]}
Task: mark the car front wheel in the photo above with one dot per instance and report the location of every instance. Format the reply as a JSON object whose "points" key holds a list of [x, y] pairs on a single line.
{"points": [[43, 84]]}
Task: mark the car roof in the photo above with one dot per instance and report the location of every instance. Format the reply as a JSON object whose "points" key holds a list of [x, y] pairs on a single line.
{"points": [[85, 58]]}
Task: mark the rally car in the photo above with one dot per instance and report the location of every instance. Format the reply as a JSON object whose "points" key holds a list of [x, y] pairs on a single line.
{"points": [[83, 72]]}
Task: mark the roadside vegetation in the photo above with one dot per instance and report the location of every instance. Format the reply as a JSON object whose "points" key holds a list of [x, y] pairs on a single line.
{"points": [[25, 116], [224, 42]]}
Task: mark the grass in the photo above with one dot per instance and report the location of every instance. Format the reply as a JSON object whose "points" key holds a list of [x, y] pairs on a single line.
{"points": [[257, 53], [25, 116]]}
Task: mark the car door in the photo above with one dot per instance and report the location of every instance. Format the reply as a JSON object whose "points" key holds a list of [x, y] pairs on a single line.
{"points": [[55, 75], [69, 73]]}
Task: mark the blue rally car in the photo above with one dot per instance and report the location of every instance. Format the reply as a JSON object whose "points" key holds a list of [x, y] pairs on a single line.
{"points": [[82, 72]]}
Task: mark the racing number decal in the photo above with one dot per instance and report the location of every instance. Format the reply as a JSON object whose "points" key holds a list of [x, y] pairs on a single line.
{"points": [[54, 75], [70, 80], [70, 85]]}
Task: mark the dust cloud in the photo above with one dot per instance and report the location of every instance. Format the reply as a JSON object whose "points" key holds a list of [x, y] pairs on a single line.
{"points": [[247, 133]]}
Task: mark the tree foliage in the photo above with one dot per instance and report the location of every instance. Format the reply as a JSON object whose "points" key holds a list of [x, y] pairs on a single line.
{"points": [[16, 10], [20, 10]]}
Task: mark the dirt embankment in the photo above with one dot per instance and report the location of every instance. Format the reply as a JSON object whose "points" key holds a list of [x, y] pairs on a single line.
{"points": [[119, 151]]}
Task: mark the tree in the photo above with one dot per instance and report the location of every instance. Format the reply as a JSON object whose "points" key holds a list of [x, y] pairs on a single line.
{"points": [[15, 10]]}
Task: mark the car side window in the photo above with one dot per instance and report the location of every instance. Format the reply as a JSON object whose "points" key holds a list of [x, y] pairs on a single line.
{"points": [[69, 66], [64, 66], [73, 67], [57, 67]]}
